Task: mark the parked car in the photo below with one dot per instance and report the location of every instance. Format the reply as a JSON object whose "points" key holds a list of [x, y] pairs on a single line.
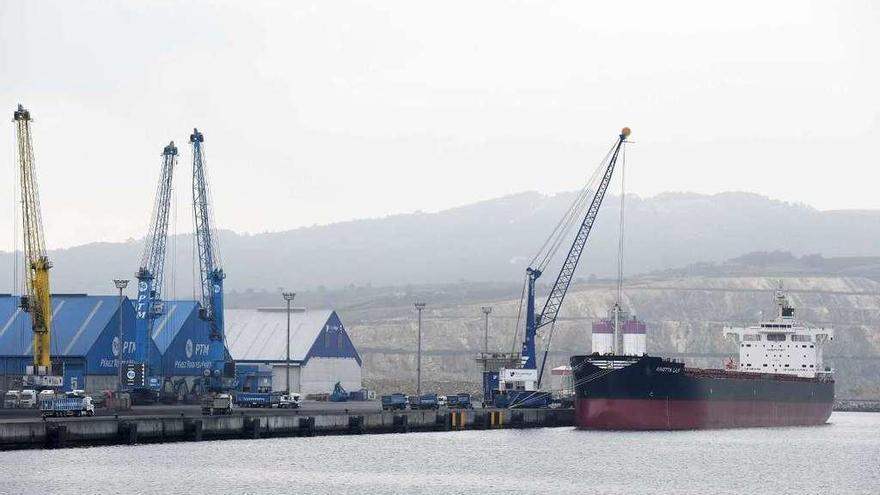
{"points": [[441, 401]]}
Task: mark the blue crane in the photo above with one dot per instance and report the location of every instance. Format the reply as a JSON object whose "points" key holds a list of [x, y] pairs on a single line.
{"points": [[548, 315], [149, 304], [211, 273], [520, 387]]}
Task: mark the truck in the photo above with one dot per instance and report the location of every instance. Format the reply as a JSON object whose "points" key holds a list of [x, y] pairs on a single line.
{"points": [[290, 401], [70, 405], [217, 404], [28, 399], [424, 401], [459, 401], [393, 402], [257, 399], [11, 399]]}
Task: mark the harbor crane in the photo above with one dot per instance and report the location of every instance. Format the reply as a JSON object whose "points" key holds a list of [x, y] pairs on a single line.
{"points": [[527, 378], [139, 379], [210, 272], [37, 300]]}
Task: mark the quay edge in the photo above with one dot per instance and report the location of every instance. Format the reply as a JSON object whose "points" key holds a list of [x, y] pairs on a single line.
{"points": [[84, 432]]}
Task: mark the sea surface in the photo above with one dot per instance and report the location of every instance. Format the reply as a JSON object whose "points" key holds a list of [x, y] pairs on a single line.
{"points": [[841, 457]]}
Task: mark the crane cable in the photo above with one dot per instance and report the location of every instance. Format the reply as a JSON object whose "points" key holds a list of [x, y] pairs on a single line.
{"points": [[619, 255], [621, 226], [16, 283], [571, 217], [522, 298], [560, 233]]}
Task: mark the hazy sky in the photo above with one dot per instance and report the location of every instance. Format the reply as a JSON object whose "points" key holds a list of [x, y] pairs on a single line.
{"points": [[326, 111]]}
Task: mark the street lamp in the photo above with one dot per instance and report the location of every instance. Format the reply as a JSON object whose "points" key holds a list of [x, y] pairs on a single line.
{"points": [[288, 296], [419, 306], [120, 284], [486, 311]]}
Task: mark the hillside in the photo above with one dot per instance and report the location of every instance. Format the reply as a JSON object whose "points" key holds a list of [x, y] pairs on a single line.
{"points": [[685, 317], [487, 241]]}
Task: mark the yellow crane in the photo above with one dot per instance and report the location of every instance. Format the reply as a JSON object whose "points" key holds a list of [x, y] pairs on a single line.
{"points": [[37, 301]]}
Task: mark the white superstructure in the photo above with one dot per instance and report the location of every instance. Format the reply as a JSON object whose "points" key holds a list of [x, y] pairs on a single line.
{"points": [[782, 345]]}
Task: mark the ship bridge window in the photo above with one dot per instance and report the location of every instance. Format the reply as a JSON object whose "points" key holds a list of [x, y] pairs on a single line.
{"points": [[801, 338], [776, 337], [751, 338]]}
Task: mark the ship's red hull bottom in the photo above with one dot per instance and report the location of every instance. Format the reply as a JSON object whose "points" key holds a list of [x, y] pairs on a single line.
{"points": [[662, 414]]}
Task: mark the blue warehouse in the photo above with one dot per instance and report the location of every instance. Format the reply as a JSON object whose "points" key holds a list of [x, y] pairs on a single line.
{"points": [[85, 339]]}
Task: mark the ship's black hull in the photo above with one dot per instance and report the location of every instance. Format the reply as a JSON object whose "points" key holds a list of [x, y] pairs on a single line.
{"points": [[650, 393]]}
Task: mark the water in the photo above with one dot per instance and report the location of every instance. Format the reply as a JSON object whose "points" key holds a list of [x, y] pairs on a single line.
{"points": [[842, 457]]}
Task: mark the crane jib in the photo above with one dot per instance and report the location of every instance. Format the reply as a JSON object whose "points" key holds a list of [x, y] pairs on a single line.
{"points": [[151, 273], [211, 274], [549, 313], [37, 300], [563, 280]]}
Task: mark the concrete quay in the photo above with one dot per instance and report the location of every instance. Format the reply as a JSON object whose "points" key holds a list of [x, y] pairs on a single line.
{"points": [[106, 430]]}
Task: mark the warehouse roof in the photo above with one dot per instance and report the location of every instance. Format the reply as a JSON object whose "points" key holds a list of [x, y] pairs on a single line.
{"points": [[77, 321], [259, 335]]}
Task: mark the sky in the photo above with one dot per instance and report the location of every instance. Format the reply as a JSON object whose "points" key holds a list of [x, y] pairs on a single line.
{"points": [[319, 112]]}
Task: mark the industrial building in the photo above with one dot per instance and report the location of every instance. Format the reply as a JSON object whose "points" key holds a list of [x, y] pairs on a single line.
{"points": [[321, 352], [85, 340], [182, 339]]}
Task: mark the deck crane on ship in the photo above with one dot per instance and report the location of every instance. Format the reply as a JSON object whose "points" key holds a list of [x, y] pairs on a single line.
{"points": [[141, 381], [520, 387], [221, 370], [37, 301]]}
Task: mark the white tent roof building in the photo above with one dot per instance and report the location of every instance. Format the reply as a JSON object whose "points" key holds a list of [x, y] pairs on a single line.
{"points": [[321, 352]]}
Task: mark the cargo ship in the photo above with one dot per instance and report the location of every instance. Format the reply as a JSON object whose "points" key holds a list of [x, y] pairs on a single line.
{"points": [[778, 381]]}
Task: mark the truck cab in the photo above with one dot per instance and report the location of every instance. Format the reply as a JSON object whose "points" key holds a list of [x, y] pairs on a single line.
{"points": [[28, 399], [11, 399]]}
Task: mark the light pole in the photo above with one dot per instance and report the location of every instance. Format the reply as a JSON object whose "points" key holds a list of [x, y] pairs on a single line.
{"points": [[120, 284], [288, 296], [486, 311], [419, 306]]}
